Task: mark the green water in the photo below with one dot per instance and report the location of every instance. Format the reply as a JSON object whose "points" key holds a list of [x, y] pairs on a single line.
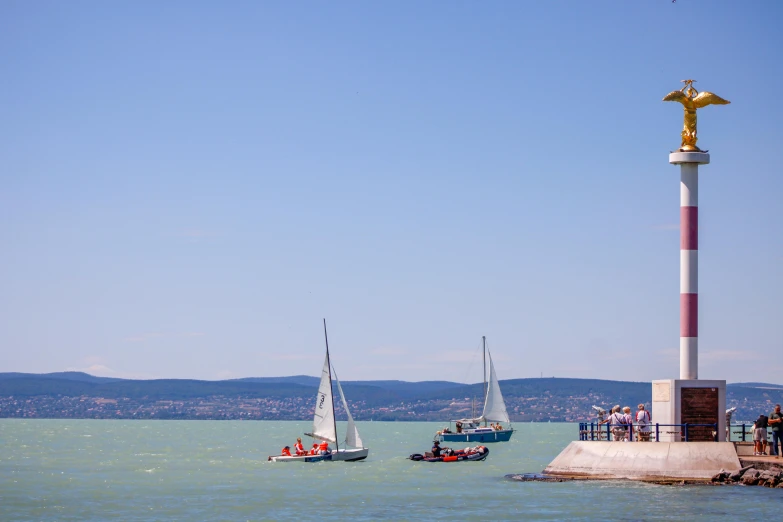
{"points": [[218, 470]]}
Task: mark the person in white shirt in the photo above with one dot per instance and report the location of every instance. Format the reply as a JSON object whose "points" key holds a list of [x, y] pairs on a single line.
{"points": [[643, 420], [617, 422]]}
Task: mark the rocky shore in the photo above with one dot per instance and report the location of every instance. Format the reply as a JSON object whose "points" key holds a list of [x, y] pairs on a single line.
{"points": [[750, 476], [745, 476]]}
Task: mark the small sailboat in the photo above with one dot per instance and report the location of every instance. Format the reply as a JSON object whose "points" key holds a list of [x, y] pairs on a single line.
{"points": [[325, 424], [471, 430]]}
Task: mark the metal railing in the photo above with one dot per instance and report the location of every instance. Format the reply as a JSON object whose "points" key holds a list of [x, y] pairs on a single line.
{"points": [[745, 433], [675, 432], [648, 433]]}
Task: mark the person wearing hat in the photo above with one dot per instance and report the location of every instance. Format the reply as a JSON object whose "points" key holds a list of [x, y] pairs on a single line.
{"points": [[643, 420], [436, 449], [287, 451]]}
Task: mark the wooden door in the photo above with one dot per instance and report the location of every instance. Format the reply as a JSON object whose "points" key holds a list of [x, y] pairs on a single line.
{"points": [[699, 406]]}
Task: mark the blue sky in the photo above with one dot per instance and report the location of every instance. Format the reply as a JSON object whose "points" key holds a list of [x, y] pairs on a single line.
{"points": [[187, 188]]}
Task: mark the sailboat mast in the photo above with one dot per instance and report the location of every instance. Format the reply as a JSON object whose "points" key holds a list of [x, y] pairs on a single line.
{"points": [[484, 345], [334, 417]]}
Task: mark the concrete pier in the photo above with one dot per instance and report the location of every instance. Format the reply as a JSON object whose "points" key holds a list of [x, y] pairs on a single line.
{"points": [[651, 461]]}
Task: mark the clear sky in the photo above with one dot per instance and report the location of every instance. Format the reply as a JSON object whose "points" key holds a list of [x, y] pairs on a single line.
{"points": [[187, 188]]}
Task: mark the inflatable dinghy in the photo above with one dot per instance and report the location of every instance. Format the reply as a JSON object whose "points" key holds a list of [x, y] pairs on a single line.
{"points": [[448, 455]]}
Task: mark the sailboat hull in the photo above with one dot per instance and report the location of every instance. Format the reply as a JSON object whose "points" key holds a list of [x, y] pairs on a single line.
{"points": [[477, 436], [303, 458], [350, 455], [344, 455]]}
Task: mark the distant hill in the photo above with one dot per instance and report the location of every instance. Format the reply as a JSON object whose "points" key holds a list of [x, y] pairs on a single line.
{"points": [[70, 376], [159, 389], [79, 383], [72, 384], [304, 380], [80, 395], [410, 390], [402, 388], [391, 389], [762, 385], [554, 386]]}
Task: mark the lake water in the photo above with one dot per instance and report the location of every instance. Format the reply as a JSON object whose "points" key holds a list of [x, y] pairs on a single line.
{"points": [[218, 470]]}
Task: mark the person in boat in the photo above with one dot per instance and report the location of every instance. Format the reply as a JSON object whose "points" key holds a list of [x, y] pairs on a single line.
{"points": [[314, 449], [323, 448], [436, 449], [459, 427], [286, 451], [298, 448], [446, 430]]}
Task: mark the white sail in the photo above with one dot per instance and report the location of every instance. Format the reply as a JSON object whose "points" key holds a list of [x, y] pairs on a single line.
{"points": [[352, 437], [323, 420], [494, 406]]}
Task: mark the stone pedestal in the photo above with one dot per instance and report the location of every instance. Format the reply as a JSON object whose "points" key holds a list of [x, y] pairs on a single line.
{"points": [[681, 401]]}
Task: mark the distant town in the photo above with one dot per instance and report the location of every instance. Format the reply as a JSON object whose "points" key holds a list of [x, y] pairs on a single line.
{"points": [[540, 409], [527, 400]]}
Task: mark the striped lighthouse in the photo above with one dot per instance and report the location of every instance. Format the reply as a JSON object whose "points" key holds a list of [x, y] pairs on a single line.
{"points": [[689, 259]]}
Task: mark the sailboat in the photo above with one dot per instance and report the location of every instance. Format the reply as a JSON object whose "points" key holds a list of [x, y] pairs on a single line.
{"points": [[471, 430], [325, 424]]}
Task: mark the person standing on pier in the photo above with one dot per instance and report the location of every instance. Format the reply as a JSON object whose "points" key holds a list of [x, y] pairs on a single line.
{"points": [[643, 422], [617, 422], [760, 435], [628, 421], [776, 425]]}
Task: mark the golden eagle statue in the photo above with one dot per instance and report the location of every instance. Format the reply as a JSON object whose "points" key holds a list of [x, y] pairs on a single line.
{"points": [[692, 99]]}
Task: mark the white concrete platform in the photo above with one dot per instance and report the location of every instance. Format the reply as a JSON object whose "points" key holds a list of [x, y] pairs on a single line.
{"points": [[644, 460]]}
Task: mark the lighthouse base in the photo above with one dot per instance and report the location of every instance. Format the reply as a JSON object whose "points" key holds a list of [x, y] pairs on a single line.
{"points": [[698, 403]]}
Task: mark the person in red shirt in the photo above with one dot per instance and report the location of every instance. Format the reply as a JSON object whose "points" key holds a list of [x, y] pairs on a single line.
{"points": [[298, 446], [287, 451]]}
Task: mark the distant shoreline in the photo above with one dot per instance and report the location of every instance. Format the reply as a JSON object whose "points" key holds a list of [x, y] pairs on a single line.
{"points": [[75, 395]]}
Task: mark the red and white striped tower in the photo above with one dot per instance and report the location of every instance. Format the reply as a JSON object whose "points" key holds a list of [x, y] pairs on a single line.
{"points": [[689, 259]]}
